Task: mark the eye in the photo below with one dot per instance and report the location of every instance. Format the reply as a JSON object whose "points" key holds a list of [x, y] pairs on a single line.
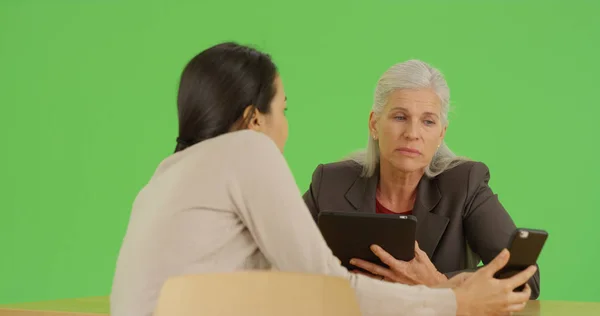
{"points": [[429, 122], [399, 117]]}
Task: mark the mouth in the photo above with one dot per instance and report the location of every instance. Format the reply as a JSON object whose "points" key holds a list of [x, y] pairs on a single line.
{"points": [[411, 152]]}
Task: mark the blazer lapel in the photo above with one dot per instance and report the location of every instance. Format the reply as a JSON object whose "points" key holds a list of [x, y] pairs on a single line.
{"points": [[430, 226], [363, 192]]}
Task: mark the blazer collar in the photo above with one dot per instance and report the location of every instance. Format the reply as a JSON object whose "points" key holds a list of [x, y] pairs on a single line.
{"points": [[363, 192]]}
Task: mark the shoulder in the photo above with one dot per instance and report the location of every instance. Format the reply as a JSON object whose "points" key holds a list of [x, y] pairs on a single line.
{"points": [[343, 167], [467, 176], [246, 139], [465, 171], [253, 149], [340, 170], [235, 150], [241, 144]]}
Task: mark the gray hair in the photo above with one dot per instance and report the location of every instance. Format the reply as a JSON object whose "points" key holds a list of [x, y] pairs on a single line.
{"points": [[412, 74]]}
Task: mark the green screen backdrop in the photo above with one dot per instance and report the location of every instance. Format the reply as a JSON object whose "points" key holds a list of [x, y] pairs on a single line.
{"points": [[87, 111]]}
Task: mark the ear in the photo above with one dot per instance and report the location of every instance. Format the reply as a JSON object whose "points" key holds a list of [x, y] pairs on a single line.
{"points": [[373, 126], [253, 117], [443, 134]]}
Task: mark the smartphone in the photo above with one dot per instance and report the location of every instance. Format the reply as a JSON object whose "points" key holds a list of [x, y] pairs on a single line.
{"points": [[525, 247]]}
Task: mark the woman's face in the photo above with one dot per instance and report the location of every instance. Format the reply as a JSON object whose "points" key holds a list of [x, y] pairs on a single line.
{"points": [[409, 129], [274, 124]]}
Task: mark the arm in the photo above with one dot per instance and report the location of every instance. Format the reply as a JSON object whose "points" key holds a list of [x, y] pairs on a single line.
{"points": [[311, 196], [487, 224], [269, 203]]}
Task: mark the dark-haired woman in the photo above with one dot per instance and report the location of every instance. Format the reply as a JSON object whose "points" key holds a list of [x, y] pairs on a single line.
{"points": [[227, 201]]}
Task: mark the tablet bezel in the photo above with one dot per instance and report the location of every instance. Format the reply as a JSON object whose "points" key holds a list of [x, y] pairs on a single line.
{"points": [[350, 235]]}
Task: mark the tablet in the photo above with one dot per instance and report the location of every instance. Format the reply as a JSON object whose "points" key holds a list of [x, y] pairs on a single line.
{"points": [[350, 235]]}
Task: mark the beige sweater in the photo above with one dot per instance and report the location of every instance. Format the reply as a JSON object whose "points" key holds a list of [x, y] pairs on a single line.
{"points": [[229, 204]]}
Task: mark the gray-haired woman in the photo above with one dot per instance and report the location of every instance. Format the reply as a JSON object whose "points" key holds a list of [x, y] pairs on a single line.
{"points": [[407, 169]]}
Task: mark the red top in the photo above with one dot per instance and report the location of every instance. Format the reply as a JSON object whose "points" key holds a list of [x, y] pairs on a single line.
{"points": [[380, 209]]}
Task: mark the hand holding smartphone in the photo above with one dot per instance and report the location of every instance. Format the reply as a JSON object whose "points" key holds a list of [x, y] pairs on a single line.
{"points": [[525, 247]]}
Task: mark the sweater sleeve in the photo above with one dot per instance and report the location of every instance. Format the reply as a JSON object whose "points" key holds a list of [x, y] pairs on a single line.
{"points": [[269, 203]]}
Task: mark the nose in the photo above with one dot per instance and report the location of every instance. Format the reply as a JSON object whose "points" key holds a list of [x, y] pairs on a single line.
{"points": [[412, 130]]}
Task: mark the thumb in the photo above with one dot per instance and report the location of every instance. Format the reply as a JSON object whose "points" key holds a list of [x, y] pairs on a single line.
{"points": [[418, 251], [498, 263]]}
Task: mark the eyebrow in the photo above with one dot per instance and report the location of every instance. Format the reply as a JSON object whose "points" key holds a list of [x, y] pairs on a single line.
{"points": [[405, 110]]}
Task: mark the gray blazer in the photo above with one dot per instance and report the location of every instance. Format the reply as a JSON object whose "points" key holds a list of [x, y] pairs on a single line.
{"points": [[460, 221]]}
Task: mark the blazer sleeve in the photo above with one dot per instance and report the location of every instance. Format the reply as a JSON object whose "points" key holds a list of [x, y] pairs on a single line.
{"points": [[488, 226], [311, 196]]}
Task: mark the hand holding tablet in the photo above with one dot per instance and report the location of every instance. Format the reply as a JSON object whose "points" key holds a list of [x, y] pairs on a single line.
{"points": [[419, 270]]}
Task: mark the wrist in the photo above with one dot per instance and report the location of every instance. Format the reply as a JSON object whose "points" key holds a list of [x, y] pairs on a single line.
{"points": [[442, 277], [462, 302]]}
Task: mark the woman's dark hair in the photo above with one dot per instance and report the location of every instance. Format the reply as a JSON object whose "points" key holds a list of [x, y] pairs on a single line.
{"points": [[216, 87]]}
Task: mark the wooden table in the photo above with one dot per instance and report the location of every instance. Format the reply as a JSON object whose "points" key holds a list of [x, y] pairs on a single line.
{"points": [[98, 306], [560, 308], [89, 306]]}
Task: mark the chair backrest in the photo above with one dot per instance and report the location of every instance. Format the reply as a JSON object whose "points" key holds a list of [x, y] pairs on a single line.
{"points": [[254, 293]]}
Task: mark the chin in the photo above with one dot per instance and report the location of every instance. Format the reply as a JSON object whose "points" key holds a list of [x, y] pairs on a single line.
{"points": [[407, 165]]}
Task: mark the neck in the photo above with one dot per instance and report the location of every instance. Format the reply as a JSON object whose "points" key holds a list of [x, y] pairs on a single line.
{"points": [[397, 189]]}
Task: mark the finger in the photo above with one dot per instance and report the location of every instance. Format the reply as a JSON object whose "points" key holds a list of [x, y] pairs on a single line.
{"points": [[527, 290], [373, 268], [519, 300], [520, 297], [366, 274], [516, 307], [521, 277], [417, 248], [418, 252], [422, 257], [386, 258], [496, 264]]}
